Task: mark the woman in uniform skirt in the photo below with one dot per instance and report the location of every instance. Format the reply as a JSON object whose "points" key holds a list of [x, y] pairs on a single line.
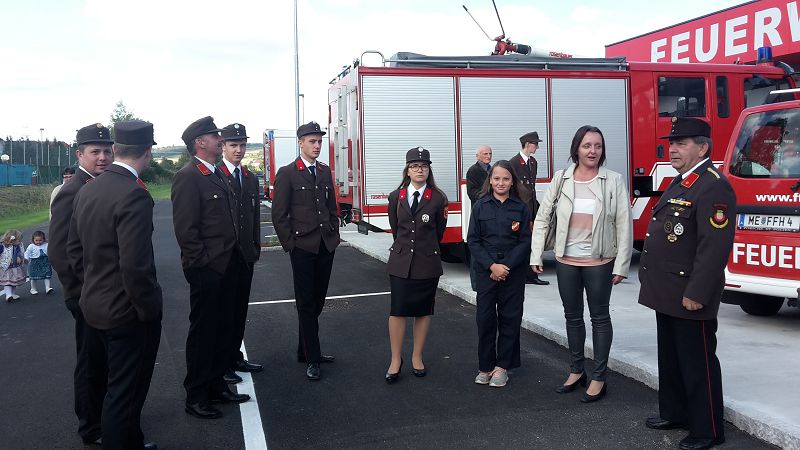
{"points": [[499, 241], [418, 217]]}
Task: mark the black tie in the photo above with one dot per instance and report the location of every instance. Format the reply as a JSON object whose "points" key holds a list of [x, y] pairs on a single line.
{"points": [[237, 182], [415, 203], [313, 170]]}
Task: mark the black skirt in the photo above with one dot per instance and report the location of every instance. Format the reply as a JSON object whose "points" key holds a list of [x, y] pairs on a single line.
{"points": [[413, 298]]}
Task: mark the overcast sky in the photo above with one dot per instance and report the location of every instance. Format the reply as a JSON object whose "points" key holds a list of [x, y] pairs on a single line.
{"points": [[65, 63]]}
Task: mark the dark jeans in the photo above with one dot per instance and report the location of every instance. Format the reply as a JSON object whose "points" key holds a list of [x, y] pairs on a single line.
{"points": [[311, 273], [596, 281], [90, 377]]}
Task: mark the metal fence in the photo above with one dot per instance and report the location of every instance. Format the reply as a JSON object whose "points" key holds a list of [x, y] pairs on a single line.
{"points": [[48, 158]]}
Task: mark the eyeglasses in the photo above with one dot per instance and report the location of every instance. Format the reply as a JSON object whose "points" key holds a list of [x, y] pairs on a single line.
{"points": [[419, 167]]}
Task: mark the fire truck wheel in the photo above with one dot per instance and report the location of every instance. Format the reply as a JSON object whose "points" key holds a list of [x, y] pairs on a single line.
{"points": [[761, 305]]}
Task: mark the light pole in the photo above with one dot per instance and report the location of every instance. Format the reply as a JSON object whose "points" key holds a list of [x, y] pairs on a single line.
{"points": [[41, 148], [296, 74]]}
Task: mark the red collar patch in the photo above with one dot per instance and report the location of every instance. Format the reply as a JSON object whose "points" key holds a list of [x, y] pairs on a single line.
{"points": [[403, 194], [300, 165], [141, 183], [224, 168], [203, 169], [244, 171], [689, 180], [428, 193]]}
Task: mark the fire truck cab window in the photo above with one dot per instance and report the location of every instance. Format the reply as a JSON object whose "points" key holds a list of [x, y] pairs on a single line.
{"points": [[757, 91], [768, 146], [723, 109], [681, 97]]}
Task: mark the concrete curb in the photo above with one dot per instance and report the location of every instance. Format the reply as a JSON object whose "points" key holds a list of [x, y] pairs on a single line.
{"points": [[737, 412]]}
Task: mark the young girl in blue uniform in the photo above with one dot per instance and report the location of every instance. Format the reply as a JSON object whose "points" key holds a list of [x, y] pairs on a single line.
{"points": [[499, 240], [38, 265]]}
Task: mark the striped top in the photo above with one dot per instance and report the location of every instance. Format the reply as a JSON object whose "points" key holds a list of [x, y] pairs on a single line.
{"points": [[578, 248]]}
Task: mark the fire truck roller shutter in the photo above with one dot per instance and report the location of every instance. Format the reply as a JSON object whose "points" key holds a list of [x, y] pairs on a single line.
{"points": [[599, 102], [399, 113], [497, 111]]}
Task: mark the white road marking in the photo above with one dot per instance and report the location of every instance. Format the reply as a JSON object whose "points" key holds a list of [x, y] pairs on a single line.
{"points": [[252, 428], [333, 297]]}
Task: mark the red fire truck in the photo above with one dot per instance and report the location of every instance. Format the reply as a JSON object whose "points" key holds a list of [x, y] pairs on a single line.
{"points": [[450, 105], [763, 165]]}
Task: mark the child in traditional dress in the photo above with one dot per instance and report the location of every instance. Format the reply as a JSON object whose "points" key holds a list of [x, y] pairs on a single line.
{"points": [[38, 264], [11, 260]]}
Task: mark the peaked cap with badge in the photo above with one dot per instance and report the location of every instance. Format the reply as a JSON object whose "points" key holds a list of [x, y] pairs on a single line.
{"points": [[309, 128], [198, 128], [94, 133], [134, 132], [688, 127], [533, 136], [418, 154], [234, 132]]}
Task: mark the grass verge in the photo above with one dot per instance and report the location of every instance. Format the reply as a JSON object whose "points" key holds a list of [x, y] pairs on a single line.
{"points": [[25, 220]]}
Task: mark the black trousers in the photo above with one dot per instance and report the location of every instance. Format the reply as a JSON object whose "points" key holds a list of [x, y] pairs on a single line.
{"points": [[240, 298], [689, 375], [208, 345], [132, 350], [311, 275], [90, 376], [499, 317], [597, 282]]}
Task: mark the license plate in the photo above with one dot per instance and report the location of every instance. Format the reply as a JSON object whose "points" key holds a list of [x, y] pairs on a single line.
{"points": [[769, 222]]}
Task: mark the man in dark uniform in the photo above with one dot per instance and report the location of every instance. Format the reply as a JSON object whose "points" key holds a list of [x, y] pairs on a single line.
{"points": [[245, 185], [110, 249], [206, 220], [682, 278], [304, 214], [478, 172], [525, 168], [91, 373]]}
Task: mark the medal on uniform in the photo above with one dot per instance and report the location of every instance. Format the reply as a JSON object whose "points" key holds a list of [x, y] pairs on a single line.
{"points": [[426, 218], [668, 227], [678, 229], [515, 226], [672, 238]]}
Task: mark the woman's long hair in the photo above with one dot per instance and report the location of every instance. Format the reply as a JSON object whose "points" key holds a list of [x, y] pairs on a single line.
{"points": [[516, 186], [430, 181]]}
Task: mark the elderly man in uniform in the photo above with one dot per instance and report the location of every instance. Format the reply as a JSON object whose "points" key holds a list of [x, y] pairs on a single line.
{"points": [[94, 155], [245, 185], [682, 278], [304, 214], [206, 221], [111, 233], [525, 167], [477, 173]]}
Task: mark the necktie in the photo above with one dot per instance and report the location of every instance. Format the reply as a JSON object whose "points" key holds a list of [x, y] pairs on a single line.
{"points": [[237, 182], [415, 203], [313, 170]]}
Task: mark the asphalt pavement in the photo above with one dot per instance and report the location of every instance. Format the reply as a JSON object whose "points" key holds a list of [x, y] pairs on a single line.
{"points": [[351, 407]]}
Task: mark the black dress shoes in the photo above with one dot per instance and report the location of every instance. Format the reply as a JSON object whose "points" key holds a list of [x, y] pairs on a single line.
{"points": [[322, 358], [392, 377], [247, 366], [227, 396], [150, 446], [230, 377], [312, 371], [95, 441], [567, 388], [587, 398], [537, 281], [203, 410], [419, 373], [690, 443], [657, 423]]}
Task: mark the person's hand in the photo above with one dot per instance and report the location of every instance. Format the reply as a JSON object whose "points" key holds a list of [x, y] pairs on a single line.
{"points": [[691, 305], [617, 279], [494, 278], [500, 271], [537, 269]]}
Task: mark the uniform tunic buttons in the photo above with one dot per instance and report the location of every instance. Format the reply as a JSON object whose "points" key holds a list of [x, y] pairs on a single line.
{"points": [[644, 267], [681, 273], [412, 240], [215, 195], [676, 214], [412, 250], [296, 232], [654, 219], [412, 231], [647, 235]]}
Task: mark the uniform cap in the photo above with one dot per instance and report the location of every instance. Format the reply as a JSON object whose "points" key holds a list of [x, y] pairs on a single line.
{"points": [[234, 132], [198, 128], [309, 128], [418, 154], [134, 132], [688, 127], [530, 137], [96, 132]]}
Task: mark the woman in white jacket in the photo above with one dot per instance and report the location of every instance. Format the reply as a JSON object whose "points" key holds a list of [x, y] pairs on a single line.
{"points": [[591, 213]]}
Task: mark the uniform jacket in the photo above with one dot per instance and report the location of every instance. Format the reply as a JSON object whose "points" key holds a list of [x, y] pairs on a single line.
{"points": [[612, 232], [476, 175], [687, 245], [249, 207], [205, 217], [527, 178], [304, 210], [110, 247], [61, 215], [415, 252], [499, 233]]}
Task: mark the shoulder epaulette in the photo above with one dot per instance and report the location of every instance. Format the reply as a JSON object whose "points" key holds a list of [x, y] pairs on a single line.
{"points": [[713, 172]]}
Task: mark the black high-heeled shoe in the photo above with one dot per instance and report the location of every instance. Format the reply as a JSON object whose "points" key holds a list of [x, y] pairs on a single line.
{"points": [[567, 388], [392, 377], [587, 398]]}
